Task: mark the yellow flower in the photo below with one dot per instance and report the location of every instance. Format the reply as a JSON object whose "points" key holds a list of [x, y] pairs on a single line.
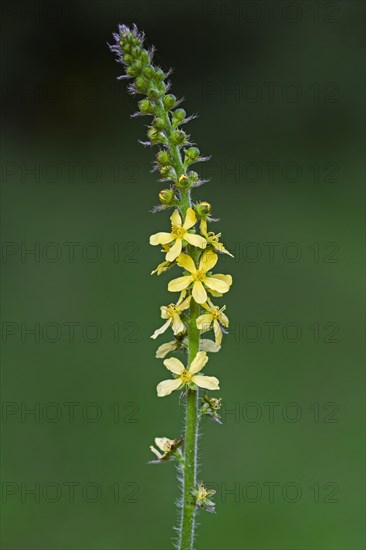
{"points": [[187, 376], [172, 314], [167, 446], [179, 233], [213, 239], [200, 278], [215, 317]]}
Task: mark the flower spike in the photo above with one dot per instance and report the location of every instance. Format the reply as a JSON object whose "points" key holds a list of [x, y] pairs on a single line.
{"points": [[191, 247]]}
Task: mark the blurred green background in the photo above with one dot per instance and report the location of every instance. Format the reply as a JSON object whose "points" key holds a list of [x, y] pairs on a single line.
{"points": [[279, 90]]}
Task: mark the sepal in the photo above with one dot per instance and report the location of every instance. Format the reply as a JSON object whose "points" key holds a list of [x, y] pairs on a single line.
{"points": [[211, 406]]}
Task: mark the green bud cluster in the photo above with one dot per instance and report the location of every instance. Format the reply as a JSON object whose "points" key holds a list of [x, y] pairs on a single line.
{"points": [[176, 154]]}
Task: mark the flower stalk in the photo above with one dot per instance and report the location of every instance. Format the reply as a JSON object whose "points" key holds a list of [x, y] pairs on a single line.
{"points": [[189, 245], [191, 439]]}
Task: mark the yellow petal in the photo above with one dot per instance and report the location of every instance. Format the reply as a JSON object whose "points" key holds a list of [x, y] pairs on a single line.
{"points": [[207, 307], [204, 321], [190, 219], [164, 312], [161, 329], [208, 260], [209, 346], [175, 250], [224, 319], [209, 303], [187, 263], [176, 285], [166, 348], [178, 325], [215, 294], [161, 442], [161, 238], [181, 297], [198, 362], [217, 284], [174, 365], [175, 218], [203, 227], [207, 382], [184, 305], [195, 240], [199, 293], [156, 452], [218, 332], [227, 278], [167, 386]]}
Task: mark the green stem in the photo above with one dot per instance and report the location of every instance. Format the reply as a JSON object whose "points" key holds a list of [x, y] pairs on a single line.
{"points": [[185, 200], [190, 444], [191, 430]]}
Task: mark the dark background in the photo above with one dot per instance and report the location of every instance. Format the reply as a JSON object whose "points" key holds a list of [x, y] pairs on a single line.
{"points": [[279, 90]]}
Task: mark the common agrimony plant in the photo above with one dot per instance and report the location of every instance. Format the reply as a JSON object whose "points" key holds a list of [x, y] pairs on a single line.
{"points": [[188, 244]]}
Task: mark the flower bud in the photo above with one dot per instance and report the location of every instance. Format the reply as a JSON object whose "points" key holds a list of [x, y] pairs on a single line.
{"points": [[141, 85], [149, 71], [154, 94], [163, 158], [144, 57], [169, 101], [178, 117], [159, 123], [166, 196], [162, 87], [137, 66], [131, 71], [183, 182], [155, 136], [191, 155], [168, 173], [159, 75], [178, 137], [202, 209], [164, 171], [125, 46], [193, 177], [135, 51], [145, 106]]}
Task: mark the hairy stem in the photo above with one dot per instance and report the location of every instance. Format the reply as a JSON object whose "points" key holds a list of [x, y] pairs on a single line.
{"points": [[186, 534], [191, 436]]}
